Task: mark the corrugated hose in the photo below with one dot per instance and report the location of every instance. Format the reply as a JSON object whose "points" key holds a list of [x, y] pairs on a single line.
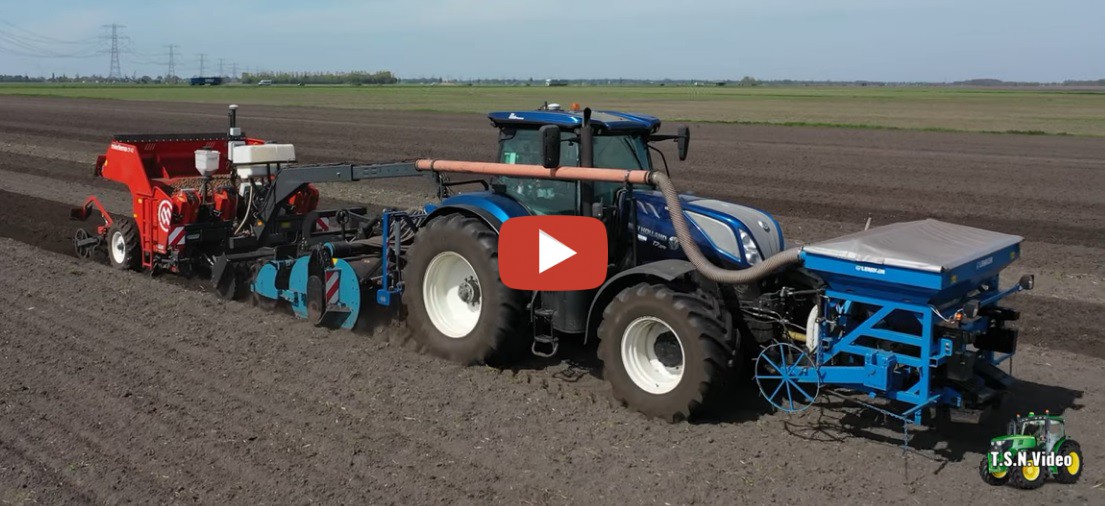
{"points": [[695, 256]]}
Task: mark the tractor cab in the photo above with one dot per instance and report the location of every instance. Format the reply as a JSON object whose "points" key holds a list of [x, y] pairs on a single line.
{"points": [[617, 140], [1046, 429]]}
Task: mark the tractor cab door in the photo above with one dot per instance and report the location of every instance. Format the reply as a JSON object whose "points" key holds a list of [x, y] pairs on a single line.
{"points": [[1055, 433], [541, 196], [523, 146], [1035, 428]]}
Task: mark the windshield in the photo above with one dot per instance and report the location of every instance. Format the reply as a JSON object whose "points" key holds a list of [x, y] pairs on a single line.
{"points": [[523, 146]]}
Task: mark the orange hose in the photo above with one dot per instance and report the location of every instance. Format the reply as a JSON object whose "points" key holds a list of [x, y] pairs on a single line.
{"points": [[536, 171]]}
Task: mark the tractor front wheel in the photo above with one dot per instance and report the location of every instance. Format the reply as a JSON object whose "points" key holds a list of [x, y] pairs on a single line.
{"points": [[1070, 474], [996, 478], [1029, 476], [458, 308], [123, 250], [663, 350]]}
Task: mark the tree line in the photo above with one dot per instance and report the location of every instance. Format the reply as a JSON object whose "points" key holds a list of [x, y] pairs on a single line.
{"points": [[354, 78]]}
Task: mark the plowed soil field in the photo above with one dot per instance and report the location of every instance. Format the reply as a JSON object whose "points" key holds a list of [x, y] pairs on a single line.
{"points": [[120, 387]]}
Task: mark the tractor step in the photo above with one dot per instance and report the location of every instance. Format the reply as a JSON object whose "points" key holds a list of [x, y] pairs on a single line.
{"points": [[545, 344]]}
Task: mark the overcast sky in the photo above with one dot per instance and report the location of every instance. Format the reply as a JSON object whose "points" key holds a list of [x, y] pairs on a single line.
{"points": [[891, 40]]}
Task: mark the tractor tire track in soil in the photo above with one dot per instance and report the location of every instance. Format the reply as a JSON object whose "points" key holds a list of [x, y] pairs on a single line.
{"points": [[181, 401], [114, 386]]}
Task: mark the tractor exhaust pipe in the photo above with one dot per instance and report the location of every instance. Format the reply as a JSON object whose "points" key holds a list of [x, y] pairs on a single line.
{"points": [[671, 198]]}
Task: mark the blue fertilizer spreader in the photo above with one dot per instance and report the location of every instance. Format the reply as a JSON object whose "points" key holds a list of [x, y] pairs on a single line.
{"points": [[908, 312]]}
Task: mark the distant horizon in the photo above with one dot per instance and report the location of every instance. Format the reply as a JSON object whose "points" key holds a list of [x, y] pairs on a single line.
{"points": [[593, 80], [937, 41]]}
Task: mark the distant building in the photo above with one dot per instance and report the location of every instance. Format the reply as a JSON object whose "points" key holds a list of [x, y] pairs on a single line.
{"points": [[205, 81], [555, 82]]}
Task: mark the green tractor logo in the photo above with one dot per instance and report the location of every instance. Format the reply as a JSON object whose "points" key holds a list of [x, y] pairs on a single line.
{"points": [[1036, 447]]}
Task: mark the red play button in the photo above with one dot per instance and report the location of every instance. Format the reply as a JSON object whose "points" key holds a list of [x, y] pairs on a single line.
{"points": [[552, 253]]}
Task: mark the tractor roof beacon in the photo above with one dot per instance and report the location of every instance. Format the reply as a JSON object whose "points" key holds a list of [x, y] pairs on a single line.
{"points": [[1027, 436], [696, 287]]}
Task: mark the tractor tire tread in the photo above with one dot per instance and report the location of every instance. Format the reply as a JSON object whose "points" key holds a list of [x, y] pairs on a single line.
{"points": [[1063, 475], [497, 345], [1020, 481], [133, 259], [988, 477], [702, 316]]}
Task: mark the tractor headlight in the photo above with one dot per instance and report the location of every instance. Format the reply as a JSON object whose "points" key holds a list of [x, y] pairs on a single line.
{"points": [[751, 251], [719, 233]]}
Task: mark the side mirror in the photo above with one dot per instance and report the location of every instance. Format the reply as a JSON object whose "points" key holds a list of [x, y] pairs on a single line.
{"points": [[682, 141], [550, 146]]}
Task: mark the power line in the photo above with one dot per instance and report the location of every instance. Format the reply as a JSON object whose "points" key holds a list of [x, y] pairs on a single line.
{"points": [[20, 44], [116, 71], [17, 41], [42, 39], [172, 62]]}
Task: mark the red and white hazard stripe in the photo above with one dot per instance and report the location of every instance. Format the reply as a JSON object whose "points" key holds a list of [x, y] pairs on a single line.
{"points": [[176, 236], [333, 277], [322, 225]]}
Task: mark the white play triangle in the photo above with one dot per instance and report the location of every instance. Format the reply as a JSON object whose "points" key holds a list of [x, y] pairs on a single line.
{"points": [[550, 252]]}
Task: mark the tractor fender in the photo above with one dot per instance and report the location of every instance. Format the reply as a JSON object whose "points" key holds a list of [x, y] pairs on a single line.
{"points": [[491, 208], [473, 211], [663, 270]]}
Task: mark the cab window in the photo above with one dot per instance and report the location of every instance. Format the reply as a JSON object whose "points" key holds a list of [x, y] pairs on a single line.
{"points": [[523, 146], [618, 152], [541, 196]]}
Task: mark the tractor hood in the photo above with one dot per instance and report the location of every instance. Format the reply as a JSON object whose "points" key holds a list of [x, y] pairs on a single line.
{"points": [[729, 233]]}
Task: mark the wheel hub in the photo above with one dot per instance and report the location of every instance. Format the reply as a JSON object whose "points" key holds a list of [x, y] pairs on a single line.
{"points": [[653, 355], [469, 291], [118, 247], [451, 294]]}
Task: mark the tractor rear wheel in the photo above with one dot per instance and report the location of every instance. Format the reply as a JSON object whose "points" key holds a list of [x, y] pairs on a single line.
{"points": [[123, 250], [458, 308], [1070, 474], [663, 350], [992, 478], [1028, 476]]}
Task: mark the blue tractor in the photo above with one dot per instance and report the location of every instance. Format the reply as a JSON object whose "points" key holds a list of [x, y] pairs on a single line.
{"points": [[666, 335], [697, 289]]}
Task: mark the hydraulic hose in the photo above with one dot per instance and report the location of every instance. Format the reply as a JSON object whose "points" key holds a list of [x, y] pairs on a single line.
{"points": [[695, 256], [671, 198]]}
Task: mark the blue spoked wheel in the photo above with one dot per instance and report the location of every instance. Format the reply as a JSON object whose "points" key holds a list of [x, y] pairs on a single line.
{"points": [[787, 377]]}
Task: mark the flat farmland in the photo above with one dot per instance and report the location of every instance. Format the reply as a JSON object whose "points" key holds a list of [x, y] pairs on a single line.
{"points": [[117, 387], [1034, 110]]}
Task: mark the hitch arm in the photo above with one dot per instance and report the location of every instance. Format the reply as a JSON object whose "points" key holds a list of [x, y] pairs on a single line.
{"points": [[291, 179], [85, 210]]}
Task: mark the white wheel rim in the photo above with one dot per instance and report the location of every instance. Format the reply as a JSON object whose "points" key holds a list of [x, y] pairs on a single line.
{"points": [[813, 333], [452, 295], [655, 373], [118, 247]]}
